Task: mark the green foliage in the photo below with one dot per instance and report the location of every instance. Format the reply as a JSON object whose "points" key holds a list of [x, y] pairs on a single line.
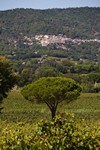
{"points": [[7, 77], [26, 76], [52, 91], [91, 82], [46, 71], [94, 77], [74, 22], [64, 132]]}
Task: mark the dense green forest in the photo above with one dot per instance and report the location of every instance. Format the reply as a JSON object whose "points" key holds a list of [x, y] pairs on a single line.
{"points": [[19, 27], [73, 22]]}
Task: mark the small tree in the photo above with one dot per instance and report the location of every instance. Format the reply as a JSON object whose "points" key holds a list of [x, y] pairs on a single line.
{"points": [[7, 77], [94, 77], [52, 91], [46, 71]]}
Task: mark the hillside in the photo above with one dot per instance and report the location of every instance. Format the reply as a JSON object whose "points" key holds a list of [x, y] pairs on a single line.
{"points": [[73, 22], [20, 27], [66, 39]]}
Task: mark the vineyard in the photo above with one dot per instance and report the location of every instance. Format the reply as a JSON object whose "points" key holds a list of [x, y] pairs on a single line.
{"points": [[61, 133], [27, 126], [50, 79]]}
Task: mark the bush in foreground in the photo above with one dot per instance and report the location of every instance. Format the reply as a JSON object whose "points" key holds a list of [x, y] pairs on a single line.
{"points": [[60, 134]]}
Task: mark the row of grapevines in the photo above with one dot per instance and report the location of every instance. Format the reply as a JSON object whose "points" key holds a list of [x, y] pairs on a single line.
{"points": [[64, 132]]}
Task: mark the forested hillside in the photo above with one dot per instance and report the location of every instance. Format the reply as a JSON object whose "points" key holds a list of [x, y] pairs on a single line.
{"points": [[73, 22], [51, 42]]}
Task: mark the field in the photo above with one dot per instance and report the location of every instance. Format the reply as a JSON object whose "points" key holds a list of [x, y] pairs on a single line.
{"points": [[28, 126], [15, 108]]}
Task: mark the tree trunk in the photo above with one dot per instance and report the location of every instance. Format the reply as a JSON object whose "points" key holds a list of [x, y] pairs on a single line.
{"points": [[53, 112], [52, 107]]}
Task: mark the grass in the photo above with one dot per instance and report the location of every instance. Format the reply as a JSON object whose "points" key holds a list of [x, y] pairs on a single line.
{"points": [[86, 106], [16, 108]]}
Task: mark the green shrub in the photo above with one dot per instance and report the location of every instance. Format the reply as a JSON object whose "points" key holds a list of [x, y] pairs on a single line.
{"points": [[64, 132]]}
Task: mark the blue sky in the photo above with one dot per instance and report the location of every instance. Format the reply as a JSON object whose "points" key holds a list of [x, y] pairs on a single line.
{"points": [[45, 4]]}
